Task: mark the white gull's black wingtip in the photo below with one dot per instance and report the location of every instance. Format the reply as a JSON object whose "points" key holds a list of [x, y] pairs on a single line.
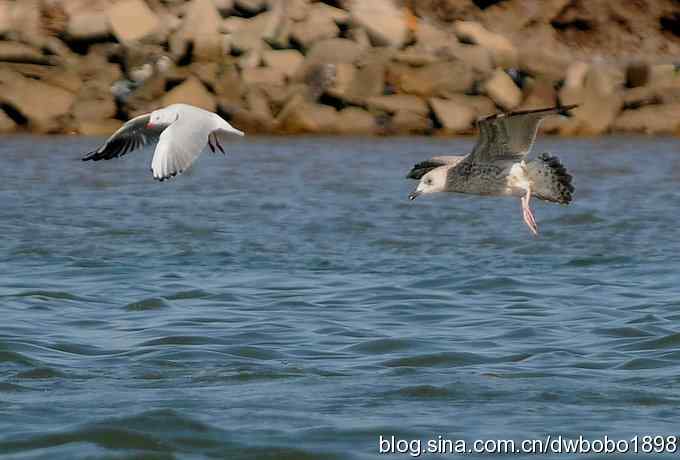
{"points": [[90, 156], [168, 177]]}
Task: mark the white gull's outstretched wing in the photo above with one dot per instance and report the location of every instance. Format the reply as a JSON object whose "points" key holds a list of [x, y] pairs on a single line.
{"points": [[179, 145], [132, 135]]}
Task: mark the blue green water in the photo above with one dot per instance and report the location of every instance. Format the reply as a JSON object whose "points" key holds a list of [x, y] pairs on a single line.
{"points": [[289, 302]]}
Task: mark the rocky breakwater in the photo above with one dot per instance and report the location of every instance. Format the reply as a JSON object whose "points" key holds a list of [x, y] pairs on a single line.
{"points": [[341, 67]]}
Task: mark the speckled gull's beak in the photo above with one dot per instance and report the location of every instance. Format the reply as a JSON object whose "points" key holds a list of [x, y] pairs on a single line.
{"points": [[414, 194]]}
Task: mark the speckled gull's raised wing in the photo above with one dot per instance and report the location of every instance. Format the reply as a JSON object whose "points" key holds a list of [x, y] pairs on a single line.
{"points": [[510, 136], [424, 167], [132, 135]]}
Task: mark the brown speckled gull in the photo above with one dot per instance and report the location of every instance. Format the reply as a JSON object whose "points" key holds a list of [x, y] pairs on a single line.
{"points": [[497, 165]]}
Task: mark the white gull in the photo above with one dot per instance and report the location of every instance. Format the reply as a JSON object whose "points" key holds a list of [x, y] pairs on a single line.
{"points": [[182, 132]]}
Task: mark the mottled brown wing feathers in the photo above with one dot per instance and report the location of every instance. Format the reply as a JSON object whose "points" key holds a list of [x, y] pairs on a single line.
{"points": [[510, 135]]}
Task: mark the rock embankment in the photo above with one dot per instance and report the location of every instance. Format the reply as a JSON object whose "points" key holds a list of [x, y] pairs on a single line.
{"points": [[341, 67]]}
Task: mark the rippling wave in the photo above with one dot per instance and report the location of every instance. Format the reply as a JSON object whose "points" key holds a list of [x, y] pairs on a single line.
{"points": [[288, 302]]}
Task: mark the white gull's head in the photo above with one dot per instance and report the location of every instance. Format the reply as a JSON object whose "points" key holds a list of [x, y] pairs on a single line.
{"points": [[163, 117]]}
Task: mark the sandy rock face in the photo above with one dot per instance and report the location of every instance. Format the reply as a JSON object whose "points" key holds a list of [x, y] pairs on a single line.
{"points": [[98, 127], [366, 82], [88, 25], [482, 105], [46, 107], [18, 52], [285, 61], [193, 92], [201, 28], [251, 6], [5, 17], [398, 103], [406, 121], [224, 6], [343, 66], [7, 125], [263, 76], [320, 23], [543, 63], [459, 112], [382, 19], [342, 78], [255, 35], [503, 90], [56, 76], [91, 104], [453, 117], [300, 116], [256, 116], [229, 89], [132, 20], [23, 20], [600, 101], [353, 120], [332, 51], [501, 48], [438, 79], [539, 93], [651, 119]]}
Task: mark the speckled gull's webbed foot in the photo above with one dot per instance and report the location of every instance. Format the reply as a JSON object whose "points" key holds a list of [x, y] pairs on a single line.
{"points": [[527, 214]]}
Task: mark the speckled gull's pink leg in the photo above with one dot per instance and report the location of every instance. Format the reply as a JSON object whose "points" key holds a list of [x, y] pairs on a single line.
{"points": [[527, 214]]}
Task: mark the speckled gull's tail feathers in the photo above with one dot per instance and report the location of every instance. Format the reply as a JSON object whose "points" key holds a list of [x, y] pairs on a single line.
{"points": [[550, 179]]}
